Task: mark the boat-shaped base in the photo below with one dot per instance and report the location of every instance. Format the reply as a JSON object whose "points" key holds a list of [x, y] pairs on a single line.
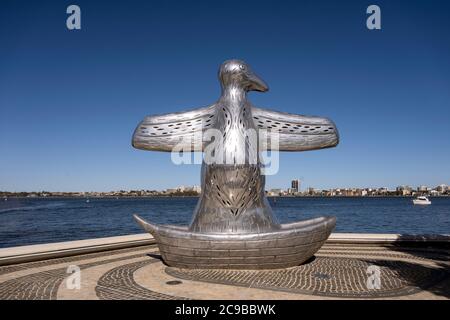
{"points": [[289, 246]]}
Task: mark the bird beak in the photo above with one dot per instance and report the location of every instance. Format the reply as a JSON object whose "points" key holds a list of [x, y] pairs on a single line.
{"points": [[256, 83]]}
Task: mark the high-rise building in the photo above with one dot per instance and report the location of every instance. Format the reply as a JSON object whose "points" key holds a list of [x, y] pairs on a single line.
{"points": [[295, 185]]}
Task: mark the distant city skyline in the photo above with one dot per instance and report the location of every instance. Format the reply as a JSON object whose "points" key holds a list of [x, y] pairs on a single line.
{"points": [[295, 187], [70, 100]]}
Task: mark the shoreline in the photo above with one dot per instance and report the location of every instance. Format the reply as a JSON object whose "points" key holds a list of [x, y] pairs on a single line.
{"points": [[167, 196]]}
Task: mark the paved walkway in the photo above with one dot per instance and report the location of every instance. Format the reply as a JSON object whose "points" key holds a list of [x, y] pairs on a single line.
{"points": [[338, 271]]}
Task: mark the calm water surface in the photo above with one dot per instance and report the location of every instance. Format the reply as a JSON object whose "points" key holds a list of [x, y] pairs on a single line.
{"points": [[31, 221]]}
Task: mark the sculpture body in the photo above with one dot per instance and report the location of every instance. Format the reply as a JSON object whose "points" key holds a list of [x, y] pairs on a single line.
{"points": [[233, 225]]}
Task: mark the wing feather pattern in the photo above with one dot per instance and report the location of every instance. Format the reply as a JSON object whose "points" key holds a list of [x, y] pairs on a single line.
{"points": [[295, 132], [181, 129]]}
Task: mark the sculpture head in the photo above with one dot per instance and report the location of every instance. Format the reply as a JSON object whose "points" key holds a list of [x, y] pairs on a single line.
{"points": [[236, 73]]}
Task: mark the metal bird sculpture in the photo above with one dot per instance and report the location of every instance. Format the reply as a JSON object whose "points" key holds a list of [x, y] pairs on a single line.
{"points": [[233, 225]]}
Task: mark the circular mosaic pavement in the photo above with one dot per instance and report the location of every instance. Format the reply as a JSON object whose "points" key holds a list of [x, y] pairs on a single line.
{"points": [[338, 271], [329, 276], [119, 284]]}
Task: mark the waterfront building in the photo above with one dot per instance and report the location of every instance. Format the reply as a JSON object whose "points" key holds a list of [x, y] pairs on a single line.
{"points": [[404, 190], [295, 185], [312, 191], [275, 192], [442, 188], [434, 193]]}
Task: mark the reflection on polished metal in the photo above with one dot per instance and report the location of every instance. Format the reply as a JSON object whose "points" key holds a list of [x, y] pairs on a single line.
{"points": [[233, 225]]}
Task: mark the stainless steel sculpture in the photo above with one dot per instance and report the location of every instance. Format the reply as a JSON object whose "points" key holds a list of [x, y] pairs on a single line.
{"points": [[233, 225]]}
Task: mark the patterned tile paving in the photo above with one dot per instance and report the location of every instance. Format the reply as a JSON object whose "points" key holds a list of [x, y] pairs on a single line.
{"points": [[337, 271], [328, 276], [45, 263], [44, 285], [119, 284]]}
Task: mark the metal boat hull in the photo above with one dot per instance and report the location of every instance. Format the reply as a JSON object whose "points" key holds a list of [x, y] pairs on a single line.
{"points": [[290, 245]]}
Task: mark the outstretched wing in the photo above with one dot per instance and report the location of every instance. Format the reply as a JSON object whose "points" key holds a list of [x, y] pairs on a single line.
{"points": [[181, 129], [295, 132]]}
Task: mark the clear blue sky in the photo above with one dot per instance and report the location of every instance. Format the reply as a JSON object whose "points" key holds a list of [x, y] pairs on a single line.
{"points": [[70, 100]]}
